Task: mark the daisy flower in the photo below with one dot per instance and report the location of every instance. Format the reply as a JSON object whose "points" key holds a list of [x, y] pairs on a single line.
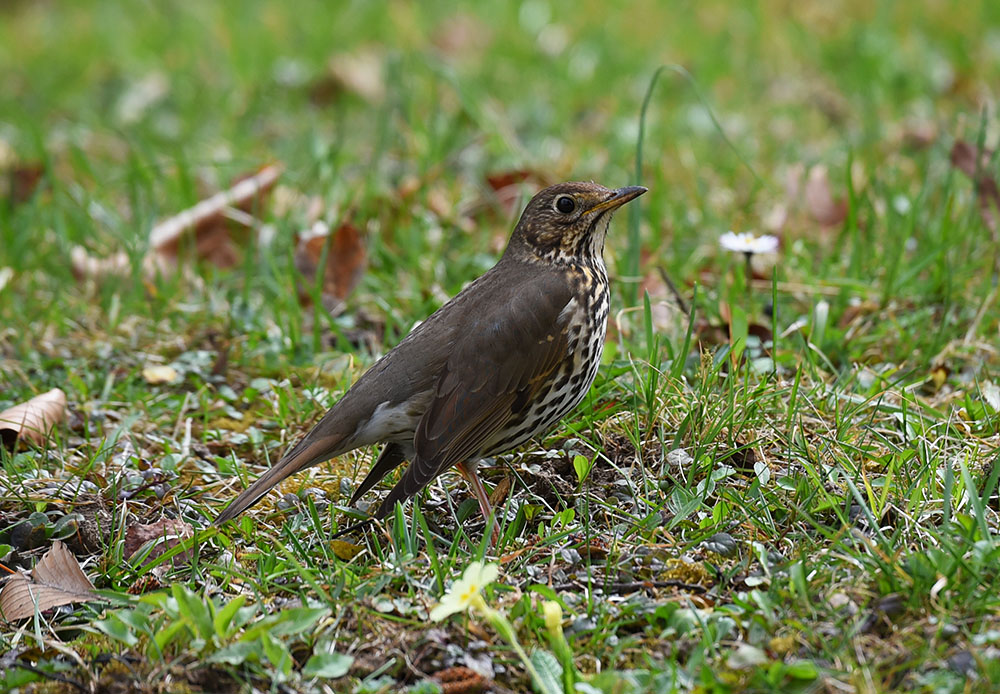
{"points": [[748, 242]]}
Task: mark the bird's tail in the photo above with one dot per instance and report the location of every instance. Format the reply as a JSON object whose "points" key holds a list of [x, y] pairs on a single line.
{"points": [[308, 452]]}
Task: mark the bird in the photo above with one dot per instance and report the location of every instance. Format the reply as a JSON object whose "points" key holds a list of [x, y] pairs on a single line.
{"points": [[501, 362]]}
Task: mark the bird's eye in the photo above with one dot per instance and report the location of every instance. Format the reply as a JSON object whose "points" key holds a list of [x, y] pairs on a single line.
{"points": [[565, 204]]}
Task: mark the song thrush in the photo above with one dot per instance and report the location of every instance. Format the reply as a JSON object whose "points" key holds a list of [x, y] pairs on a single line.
{"points": [[502, 361]]}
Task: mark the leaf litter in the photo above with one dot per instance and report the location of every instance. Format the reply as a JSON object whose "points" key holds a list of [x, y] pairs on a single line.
{"points": [[33, 420], [56, 580], [209, 223]]}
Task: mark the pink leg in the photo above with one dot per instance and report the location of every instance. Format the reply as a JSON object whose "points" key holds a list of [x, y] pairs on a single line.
{"points": [[469, 473]]}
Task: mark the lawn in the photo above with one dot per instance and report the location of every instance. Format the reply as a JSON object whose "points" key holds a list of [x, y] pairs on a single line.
{"points": [[215, 216]]}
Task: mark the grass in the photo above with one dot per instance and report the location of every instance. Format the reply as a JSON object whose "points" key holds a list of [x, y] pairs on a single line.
{"points": [[720, 515]]}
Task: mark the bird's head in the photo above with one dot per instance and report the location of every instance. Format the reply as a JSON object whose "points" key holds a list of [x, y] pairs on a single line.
{"points": [[567, 222]]}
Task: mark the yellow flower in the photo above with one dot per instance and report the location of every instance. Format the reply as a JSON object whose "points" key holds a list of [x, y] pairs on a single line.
{"points": [[553, 617], [465, 592]]}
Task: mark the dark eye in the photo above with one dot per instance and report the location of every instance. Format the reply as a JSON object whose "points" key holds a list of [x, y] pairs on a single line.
{"points": [[565, 204]]}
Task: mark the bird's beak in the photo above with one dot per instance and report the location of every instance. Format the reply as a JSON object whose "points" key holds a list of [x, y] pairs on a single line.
{"points": [[618, 198]]}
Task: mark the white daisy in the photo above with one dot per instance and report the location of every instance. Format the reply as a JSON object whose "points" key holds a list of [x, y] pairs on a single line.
{"points": [[748, 242]]}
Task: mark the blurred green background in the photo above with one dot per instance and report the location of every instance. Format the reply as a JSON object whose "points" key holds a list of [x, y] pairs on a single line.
{"points": [[130, 105]]}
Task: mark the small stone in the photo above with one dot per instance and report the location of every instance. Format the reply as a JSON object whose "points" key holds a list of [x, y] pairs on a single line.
{"points": [[962, 663], [723, 544], [571, 556], [288, 502], [680, 459]]}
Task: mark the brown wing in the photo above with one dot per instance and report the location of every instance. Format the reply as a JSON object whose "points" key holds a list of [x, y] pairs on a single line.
{"points": [[494, 371]]}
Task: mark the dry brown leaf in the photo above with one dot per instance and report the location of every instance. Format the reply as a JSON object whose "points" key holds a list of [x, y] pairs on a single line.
{"points": [[964, 158], [510, 186], [498, 180], [501, 491], [345, 261], [22, 181], [18, 179], [820, 202], [169, 532], [56, 580], [208, 220], [34, 419]]}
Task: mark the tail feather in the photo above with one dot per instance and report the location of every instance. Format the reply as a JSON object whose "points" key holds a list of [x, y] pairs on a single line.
{"points": [[307, 453], [392, 456]]}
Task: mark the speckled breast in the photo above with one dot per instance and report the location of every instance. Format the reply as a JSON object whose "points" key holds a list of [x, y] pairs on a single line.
{"points": [[586, 326]]}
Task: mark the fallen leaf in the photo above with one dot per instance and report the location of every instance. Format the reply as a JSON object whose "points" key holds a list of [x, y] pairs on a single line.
{"points": [[822, 206], [761, 332], [709, 333], [938, 377], [510, 186], [22, 181], [499, 180], [345, 262], [56, 580], [964, 158], [501, 491], [18, 179], [166, 532], [593, 548], [345, 551], [209, 219], [159, 373], [34, 419]]}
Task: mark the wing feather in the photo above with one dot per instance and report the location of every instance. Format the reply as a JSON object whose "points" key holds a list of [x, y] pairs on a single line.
{"points": [[494, 371]]}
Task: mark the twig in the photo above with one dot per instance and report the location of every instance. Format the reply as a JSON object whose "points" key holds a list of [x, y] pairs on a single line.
{"points": [[673, 290], [18, 663]]}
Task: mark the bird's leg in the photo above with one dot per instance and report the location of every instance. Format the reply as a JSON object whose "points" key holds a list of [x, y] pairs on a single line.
{"points": [[468, 471]]}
